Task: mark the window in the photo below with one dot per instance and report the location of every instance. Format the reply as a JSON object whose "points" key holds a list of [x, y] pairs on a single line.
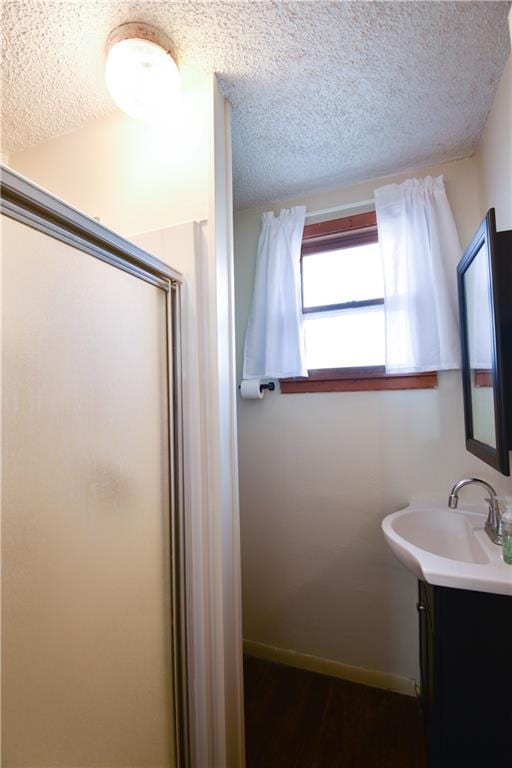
{"points": [[343, 295], [343, 308]]}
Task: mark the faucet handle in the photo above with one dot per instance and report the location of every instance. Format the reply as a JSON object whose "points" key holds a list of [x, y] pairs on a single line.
{"points": [[494, 505], [494, 524]]}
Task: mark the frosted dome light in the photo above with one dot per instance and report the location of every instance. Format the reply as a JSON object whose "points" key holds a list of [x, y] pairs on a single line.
{"points": [[142, 76]]}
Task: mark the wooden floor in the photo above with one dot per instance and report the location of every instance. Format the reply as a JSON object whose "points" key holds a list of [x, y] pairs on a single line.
{"points": [[298, 719]]}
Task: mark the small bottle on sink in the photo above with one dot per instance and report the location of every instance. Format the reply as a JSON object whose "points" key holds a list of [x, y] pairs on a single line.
{"points": [[506, 523]]}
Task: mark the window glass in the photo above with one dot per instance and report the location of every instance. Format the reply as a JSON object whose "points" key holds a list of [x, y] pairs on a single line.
{"points": [[345, 338], [342, 275]]}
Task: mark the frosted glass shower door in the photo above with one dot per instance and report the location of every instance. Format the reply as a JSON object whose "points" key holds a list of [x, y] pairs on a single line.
{"points": [[86, 615]]}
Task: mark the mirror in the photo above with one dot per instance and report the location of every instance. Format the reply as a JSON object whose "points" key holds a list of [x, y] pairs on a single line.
{"points": [[484, 343], [479, 323]]}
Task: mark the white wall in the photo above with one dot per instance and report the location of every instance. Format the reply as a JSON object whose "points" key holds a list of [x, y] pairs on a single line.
{"points": [[494, 154], [184, 248], [318, 472], [204, 255], [212, 477], [223, 489], [142, 179], [132, 175]]}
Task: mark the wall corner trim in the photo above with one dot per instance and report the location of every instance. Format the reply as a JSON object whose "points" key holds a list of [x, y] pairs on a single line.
{"points": [[385, 680]]}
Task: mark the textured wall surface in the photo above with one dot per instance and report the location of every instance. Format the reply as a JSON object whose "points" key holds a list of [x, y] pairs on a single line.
{"points": [[323, 93], [494, 155]]}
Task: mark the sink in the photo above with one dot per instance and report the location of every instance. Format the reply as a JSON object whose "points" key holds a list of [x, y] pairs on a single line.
{"points": [[448, 548], [441, 532]]}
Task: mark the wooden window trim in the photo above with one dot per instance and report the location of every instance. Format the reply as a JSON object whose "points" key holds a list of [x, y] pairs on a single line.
{"points": [[347, 232], [340, 232], [368, 379], [483, 378]]}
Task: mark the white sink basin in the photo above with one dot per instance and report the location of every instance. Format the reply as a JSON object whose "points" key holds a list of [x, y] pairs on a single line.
{"points": [[448, 547]]}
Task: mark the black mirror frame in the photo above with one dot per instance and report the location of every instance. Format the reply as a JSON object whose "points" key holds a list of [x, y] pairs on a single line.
{"points": [[500, 274]]}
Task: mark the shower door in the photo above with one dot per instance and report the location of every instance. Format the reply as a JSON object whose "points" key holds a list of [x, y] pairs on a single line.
{"points": [[90, 608]]}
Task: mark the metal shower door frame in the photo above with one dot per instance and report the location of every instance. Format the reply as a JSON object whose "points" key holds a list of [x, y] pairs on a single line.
{"points": [[25, 202]]}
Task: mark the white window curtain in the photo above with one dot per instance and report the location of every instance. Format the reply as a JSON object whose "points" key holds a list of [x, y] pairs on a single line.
{"points": [[420, 249], [274, 341]]}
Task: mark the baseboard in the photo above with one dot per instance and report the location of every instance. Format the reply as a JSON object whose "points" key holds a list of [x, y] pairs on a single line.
{"points": [[370, 677]]}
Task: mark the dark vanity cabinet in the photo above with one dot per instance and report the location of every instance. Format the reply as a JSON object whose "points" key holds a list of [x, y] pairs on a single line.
{"points": [[466, 676]]}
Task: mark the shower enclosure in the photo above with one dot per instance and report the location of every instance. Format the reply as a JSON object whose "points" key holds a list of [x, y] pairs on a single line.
{"points": [[93, 614]]}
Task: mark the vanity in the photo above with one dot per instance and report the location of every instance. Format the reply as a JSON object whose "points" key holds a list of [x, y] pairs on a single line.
{"points": [[465, 629], [466, 676]]}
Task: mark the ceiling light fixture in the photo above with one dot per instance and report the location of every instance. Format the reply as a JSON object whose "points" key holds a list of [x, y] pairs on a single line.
{"points": [[141, 73]]}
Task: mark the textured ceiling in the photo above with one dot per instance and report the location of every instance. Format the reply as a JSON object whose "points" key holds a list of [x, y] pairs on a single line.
{"points": [[323, 93]]}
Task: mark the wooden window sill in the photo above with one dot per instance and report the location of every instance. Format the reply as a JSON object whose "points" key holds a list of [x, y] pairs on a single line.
{"points": [[357, 380], [483, 378]]}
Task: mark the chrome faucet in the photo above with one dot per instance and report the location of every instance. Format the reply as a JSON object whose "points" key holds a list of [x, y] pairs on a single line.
{"points": [[493, 522]]}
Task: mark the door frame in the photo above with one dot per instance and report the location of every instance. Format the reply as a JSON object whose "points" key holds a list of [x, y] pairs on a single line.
{"points": [[29, 204]]}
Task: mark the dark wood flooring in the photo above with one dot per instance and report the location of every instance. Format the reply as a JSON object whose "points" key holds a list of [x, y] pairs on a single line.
{"points": [[298, 719]]}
